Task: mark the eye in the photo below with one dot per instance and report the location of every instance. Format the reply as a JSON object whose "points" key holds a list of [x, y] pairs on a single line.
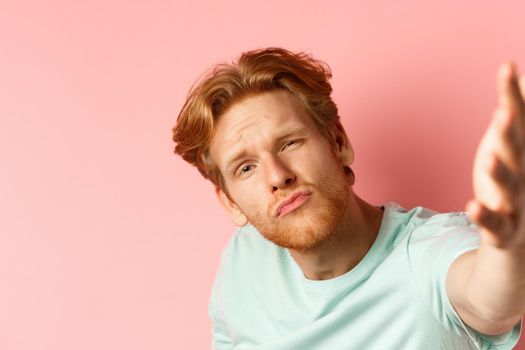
{"points": [[245, 169], [290, 144]]}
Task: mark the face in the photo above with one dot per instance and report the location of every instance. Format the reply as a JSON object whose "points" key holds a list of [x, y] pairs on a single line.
{"points": [[282, 175]]}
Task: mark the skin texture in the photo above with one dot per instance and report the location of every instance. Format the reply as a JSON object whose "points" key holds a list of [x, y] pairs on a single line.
{"points": [[286, 153], [487, 286]]}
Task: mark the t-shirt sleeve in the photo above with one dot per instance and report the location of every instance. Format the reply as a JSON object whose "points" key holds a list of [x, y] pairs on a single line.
{"points": [[432, 248]]}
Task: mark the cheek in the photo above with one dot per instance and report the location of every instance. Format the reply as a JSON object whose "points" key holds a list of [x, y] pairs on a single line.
{"points": [[316, 164], [251, 199]]}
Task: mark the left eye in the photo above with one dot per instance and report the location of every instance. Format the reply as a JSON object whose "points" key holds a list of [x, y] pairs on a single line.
{"points": [[289, 143]]}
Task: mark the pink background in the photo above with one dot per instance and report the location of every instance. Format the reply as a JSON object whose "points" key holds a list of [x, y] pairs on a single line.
{"points": [[108, 240]]}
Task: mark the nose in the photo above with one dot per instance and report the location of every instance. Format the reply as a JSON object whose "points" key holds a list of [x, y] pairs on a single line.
{"points": [[279, 176]]}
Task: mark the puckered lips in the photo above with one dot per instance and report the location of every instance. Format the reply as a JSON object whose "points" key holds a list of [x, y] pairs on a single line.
{"points": [[294, 201]]}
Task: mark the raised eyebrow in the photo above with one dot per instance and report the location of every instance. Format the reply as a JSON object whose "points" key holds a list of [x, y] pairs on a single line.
{"points": [[234, 159]]}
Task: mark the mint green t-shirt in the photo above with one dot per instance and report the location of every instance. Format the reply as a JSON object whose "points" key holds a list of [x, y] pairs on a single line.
{"points": [[395, 298]]}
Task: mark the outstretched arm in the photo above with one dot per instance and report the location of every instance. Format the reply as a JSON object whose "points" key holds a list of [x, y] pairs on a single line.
{"points": [[487, 286]]}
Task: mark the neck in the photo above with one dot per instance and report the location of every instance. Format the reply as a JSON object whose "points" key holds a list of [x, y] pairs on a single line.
{"points": [[348, 246]]}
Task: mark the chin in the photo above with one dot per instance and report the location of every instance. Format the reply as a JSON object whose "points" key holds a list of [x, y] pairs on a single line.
{"points": [[302, 232], [310, 225]]}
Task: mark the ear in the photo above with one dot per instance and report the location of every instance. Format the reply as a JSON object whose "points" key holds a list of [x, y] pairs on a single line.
{"points": [[233, 211], [344, 150]]}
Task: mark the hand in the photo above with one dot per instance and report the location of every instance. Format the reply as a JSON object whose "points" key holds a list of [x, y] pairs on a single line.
{"points": [[498, 206]]}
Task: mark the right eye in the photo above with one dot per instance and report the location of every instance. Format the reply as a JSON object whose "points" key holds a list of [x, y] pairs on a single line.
{"points": [[245, 169]]}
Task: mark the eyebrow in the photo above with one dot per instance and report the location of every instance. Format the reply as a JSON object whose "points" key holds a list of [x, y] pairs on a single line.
{"points": [[291, 131]]}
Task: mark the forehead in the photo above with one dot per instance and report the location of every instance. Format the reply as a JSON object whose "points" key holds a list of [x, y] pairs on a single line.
{"points": [[258, 118], [277, 106]]}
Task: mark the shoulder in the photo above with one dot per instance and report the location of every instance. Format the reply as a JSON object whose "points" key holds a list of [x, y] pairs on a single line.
{"points": [[247, 243], [238, 265], [425, 218], [438, 230], [249, 254], [421, 224], [439, 237], [249, 264]]}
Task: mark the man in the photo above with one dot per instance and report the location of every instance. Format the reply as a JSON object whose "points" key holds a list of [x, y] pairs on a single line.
{"points": [[312, 265]]}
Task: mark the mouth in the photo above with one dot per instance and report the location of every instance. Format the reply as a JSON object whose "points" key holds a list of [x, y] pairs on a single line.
{"points": [[291, 203]]}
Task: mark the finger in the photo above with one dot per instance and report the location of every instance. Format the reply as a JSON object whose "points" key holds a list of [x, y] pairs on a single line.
{"points": [[507, 197], [509, 140], [509, 90], [499, 228]]}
